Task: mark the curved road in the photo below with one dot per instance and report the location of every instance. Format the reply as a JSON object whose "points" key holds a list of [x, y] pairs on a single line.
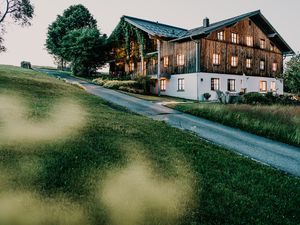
{"points": [[276, 154]]}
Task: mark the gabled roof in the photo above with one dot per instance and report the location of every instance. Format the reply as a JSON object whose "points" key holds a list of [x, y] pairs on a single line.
{"points": [[180, 34], [155, 28]]}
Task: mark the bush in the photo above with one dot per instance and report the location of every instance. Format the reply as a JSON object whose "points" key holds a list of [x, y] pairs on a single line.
{"points": [[116, 84], [26, 65], [255, 98], [99, 81], [268, 99], [131, 90]]}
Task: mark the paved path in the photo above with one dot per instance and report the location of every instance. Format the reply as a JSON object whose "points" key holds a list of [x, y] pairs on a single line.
{"points": [[276, 154]]}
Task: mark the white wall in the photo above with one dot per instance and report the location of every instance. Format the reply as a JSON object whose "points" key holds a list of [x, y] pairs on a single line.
{"points": [[203, 81]]}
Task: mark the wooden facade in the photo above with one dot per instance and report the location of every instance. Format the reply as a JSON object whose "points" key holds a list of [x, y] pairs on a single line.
{"points": [[195, 54]]}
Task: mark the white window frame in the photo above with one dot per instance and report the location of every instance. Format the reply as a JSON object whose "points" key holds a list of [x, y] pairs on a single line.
{"points": [[221, 35], [180, 84], [249, 41], [262, 43], [234, 61], [163, 85], [234, 38], [231, 85], [180, 60], [273, 86], [263, 86], [216, 59], [215, 84], [248, 63]]}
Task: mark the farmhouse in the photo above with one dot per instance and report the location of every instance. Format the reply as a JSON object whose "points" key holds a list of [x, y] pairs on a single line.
{"points": [[241, 54]]}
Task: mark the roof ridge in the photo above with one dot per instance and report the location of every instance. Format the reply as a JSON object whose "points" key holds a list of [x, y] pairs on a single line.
{"points": [[149, 21]]}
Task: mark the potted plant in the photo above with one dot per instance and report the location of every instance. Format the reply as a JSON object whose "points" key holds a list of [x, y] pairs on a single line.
{"points": [[206, 96]]}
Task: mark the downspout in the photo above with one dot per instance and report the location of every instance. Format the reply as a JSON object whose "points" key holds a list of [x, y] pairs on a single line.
{"points": [[198, 47]]}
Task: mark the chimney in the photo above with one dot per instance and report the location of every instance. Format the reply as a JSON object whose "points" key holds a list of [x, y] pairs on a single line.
{"points": [[205, 22]]}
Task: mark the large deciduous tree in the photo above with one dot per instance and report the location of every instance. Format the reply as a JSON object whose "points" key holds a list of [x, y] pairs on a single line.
{"points": [[291, 75], [74, 37], [20, 11]]}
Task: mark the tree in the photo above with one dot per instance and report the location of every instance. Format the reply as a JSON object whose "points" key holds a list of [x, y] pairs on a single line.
{"points": [[291, 75], [75, 17], [20, 11], [85, 49]]}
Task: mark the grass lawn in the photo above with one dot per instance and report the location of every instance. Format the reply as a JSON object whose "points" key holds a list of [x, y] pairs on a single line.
{"points": [[120, 168], [277, 122]]}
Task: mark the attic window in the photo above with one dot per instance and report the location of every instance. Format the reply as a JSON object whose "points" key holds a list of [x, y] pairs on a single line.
{"points": [[234, 38], [272, 47], [250, 23], [262, 43], [180, 60], [221, 36], [249, 41]]}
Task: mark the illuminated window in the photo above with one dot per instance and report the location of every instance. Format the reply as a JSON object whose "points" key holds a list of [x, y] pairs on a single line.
{"points": [[131, 67], [263, 86], [249, 41], [271, 47], [273, 86], [180, 84], [262, 44], [234, 38], [163, 85], [221, 36], [262, 65], [231, 85], [216, 59], [274, 67], [248, 63], [166, 61], [215, 84], [234, 61], [180, 60]]}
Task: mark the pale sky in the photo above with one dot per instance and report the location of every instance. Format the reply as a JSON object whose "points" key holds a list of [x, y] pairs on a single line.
{"points": [[28, 43]]}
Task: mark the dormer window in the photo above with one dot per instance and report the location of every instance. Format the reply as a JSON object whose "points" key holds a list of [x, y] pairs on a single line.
{"points": [[262, 43], [221, 36], [234, 38]]}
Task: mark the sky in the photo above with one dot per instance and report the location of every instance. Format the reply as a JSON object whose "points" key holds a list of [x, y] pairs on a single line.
{"points": [[27, 44]]}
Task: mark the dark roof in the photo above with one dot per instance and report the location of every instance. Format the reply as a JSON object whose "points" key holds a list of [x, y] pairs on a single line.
{"points": [[155, 28], [180, 34]]}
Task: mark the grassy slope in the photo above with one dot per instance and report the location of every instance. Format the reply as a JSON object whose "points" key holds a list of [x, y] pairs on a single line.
{"points": [[230, 189], [280, 123]]}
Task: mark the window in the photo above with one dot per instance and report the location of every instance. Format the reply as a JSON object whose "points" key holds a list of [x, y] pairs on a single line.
{"points": [[262, 65], [234, 38], [153, 62], [215, 84], [273, 86], [221, 36], [180, 60], [216, 59], [263, 86], [166, 61], [231, 85], [131, 66], [262, 44], [271, 47], [163, 85], [248, 63], [274, 67], [249, 41], [180, 84], [234, 61]]}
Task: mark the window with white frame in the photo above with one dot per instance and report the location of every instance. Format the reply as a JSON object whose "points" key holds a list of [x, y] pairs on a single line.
{"points": [[263, 86], [248, 63], [234, 61], [180, 60], [215, 84], [262, 65], [249, 41], [274, 67], [262, 43], [216, 59], [221, 36], [273, 86], [181, 84], [234, 38], [166, 61], [231, 85], [163, 85]]}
